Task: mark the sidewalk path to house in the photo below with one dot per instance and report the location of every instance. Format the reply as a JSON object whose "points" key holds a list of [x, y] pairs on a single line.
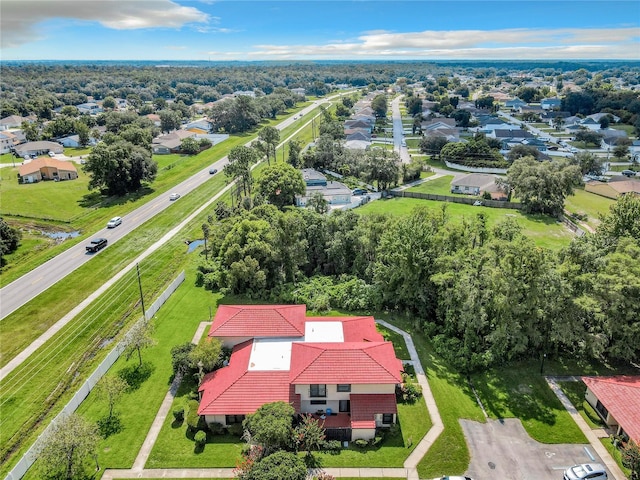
{"points": [[437, 426], [609, 462], [408, 471]]}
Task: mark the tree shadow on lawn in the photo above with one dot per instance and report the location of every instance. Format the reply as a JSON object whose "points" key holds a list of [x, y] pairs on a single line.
{"points": [[519, 391], [95, 199], [136, 375]]}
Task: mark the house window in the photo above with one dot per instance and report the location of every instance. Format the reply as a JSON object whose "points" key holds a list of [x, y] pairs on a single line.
{"points": [[344, 388], [387, 418], [318, 402], [231, 419], [600, 408], [317, 390], [344, 406]]}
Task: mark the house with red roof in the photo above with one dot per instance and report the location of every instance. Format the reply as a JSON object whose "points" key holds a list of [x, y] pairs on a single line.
{"points": [[339, 369], [617, 401]]}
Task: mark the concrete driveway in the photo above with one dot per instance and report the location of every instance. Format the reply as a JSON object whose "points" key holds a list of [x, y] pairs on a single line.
{"points": [[503, 449]]}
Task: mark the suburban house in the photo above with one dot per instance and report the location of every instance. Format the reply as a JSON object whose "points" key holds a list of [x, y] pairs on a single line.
{"points": [[511, 134], [614, 188], [90, 108], [335, 193], [611, 137], [338, 369], [477, 184], [38, 148], [13, 121], [8, 140], [171, 142], [550, 103], [46, 168], [74, 141], [616, 399], [299, 91], [515, 103]]}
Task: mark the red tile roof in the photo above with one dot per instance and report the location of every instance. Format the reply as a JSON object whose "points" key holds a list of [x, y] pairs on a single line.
{"points": [[232, 390], [259, 321], [355, 329], [364, 407], [349, 362], [621, 397]]}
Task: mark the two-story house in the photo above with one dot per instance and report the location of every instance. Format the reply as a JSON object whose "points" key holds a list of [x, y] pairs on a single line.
{"points": [[338, 369]]}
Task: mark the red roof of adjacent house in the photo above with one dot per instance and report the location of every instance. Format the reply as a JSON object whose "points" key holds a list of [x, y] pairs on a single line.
{"points": [[259, 321], [365, 406], [621, 397], [232, 390], [349, 362], [354, 329], [38, 163]]}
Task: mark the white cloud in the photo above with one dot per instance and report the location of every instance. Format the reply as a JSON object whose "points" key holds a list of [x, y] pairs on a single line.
{"points": [[20, 18], [621, 43]]}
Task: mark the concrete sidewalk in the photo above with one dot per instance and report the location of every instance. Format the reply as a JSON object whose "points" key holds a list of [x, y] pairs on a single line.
{"points": [[437, 427], [609, 462]]}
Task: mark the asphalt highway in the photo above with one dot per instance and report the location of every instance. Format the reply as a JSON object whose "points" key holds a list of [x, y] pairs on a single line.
{"points": [[30, 285]]}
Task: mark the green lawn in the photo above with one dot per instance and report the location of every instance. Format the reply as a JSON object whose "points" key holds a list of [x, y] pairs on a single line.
{"points": [[60, 201], [424, 174], [575, 393], [399, 345], [590, 204], [544, 230], [438, 186], [520, 391], [175, 323]]}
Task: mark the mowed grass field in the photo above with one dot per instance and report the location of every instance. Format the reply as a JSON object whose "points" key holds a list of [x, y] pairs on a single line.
{"points": [[544, 230], [594, 206], [58, 201], [437, 186]]}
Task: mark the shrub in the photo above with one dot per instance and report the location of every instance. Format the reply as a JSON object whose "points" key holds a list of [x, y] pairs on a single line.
{"points": [[332, 445], [195, 421], [235, 429], [411, 392], [178, 414], [377, 440], [216, 428], [200, 438], [361, 442]]}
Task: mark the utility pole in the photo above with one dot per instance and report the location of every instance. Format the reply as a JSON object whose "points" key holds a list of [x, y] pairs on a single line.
{"points": [[144, 313]]}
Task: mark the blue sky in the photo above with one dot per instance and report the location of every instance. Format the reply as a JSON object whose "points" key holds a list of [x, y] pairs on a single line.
{"points": [[316, 29]]}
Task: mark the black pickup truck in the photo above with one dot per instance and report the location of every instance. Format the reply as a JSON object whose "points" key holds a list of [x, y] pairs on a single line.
{"points": [[96, 244]]}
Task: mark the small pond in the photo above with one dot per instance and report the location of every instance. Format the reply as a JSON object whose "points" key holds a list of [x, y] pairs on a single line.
{"points": [[194, 244]]}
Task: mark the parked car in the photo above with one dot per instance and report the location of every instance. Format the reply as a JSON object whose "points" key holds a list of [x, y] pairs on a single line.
{"points": [[52, 154], [590, 471], [174, 196], [359, 191], [628, 173], [114, 222], [213, 171], [96, 244]]}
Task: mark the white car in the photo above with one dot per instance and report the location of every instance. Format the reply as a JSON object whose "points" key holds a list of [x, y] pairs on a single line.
{"points": [[590, 471], [114, 222], [174, 196]]}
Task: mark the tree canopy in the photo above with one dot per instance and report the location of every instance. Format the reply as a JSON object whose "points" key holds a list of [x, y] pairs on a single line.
{"points": [[280, 183], [543, 186]]}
